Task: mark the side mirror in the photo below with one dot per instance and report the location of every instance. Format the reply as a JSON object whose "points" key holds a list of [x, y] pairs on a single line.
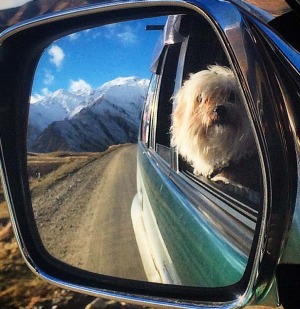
{"points": [[105, 199]]}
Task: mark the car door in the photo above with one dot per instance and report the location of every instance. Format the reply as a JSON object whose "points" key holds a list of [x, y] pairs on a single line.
{"points": [[197, 221]]}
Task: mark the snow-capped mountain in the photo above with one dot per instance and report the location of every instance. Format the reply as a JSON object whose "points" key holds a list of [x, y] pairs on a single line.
{"points": [[88, 122], [54, 107]]}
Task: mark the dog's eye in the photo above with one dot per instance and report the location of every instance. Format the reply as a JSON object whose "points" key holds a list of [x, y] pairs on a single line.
{"points": [[200, 99]]}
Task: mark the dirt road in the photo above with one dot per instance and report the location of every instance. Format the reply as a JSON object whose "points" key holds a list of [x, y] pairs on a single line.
{"points": [[85, 220]]}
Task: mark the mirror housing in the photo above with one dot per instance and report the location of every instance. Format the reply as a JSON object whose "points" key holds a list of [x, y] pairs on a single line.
{"points": [[20, 49]]}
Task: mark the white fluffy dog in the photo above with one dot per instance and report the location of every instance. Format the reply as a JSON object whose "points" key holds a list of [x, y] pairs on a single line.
{"points": [[211, 129]]}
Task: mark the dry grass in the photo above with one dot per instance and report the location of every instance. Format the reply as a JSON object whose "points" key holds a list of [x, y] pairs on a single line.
{"points": [[43, 171], [19, 287], [47, 163], [56, 166]]}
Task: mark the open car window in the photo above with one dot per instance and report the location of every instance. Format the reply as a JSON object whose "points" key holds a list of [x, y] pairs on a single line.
{"points": [[211, 129], [196, 121]]}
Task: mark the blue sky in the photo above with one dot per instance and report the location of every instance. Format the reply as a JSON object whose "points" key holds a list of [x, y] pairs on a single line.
{"points": [[89, 58]]}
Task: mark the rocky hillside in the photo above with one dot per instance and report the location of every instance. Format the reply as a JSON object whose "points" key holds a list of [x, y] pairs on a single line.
{"points": [[92, 121]]}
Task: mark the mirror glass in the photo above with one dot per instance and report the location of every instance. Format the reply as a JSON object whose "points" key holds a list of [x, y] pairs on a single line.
{"points": [[113, 191]]}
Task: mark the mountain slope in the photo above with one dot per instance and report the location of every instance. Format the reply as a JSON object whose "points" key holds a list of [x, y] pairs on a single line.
{"points": [[109, 115]]}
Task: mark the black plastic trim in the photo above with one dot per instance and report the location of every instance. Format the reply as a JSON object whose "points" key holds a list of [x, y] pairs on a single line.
{"points": [[288, 280]]}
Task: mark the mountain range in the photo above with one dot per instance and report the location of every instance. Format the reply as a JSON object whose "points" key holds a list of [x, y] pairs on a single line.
{"points": [[87, 121]]}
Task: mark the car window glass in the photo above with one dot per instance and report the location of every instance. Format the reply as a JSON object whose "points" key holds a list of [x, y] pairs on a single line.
{"points": [[163, 106], [147, 110], [164, 102]]}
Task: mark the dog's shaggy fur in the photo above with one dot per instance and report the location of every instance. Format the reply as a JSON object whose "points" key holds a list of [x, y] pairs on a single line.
{"points": [[211, 129]]}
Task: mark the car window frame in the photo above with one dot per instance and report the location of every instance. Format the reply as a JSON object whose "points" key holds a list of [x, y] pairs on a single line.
{"points": [[190, 186], [201, 184]]}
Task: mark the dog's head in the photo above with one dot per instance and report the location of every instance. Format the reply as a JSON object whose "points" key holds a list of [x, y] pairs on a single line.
{"points": [[210, 123]]}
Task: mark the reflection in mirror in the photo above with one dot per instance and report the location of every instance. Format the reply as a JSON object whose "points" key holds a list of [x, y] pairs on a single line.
{"points": [[87, 98], [100, 196]]}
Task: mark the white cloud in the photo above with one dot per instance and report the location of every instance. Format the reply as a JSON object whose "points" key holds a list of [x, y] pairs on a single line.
{"points": [[74, 36], [57, 55], [49, 78], [39, 96], [97, 34], [36, 98], [125, 35], [80, 86], [7, 4], [45, 91]]}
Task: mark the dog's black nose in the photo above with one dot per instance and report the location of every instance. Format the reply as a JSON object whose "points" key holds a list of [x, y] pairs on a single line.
{"points": [[221, 111]]}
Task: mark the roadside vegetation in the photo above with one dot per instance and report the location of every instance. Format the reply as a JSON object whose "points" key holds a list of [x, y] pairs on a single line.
{"points": [[45, 169], [19, 287]]}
